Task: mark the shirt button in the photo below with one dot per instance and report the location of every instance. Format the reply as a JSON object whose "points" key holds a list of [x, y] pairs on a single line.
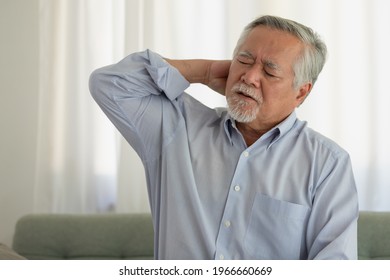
{"points": [[246, 154], [227, 223], [221, 257], [237, 188]]}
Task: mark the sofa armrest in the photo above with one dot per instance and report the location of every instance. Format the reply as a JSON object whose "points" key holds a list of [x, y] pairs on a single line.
{"points": [[7, 253], [374, 235], [96, 236]]}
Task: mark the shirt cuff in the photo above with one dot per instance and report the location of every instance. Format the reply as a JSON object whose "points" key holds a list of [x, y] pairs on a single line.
{"points": [[165, 76]]}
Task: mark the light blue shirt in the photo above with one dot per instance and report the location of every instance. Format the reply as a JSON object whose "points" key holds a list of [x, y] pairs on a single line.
{"points": [[290, 195]]}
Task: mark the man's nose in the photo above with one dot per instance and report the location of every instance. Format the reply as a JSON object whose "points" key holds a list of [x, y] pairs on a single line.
{"points": [[252, 76]]}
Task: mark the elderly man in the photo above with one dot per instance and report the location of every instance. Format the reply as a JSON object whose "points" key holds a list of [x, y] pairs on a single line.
{"points": [[247, 182]]}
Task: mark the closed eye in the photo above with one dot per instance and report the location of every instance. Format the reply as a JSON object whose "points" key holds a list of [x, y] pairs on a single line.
{"points": [[270, 68], [269, 74], [245, 58]]}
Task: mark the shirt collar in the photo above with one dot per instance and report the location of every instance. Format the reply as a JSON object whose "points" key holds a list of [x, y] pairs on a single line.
{"points": [[283, 128], [273, 134]]}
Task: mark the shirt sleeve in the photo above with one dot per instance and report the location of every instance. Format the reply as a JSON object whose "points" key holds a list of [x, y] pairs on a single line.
{"points": [[141, 97], [332, 227]]}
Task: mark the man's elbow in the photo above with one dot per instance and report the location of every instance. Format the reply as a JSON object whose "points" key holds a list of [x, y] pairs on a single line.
{"points": [[96, 82]]}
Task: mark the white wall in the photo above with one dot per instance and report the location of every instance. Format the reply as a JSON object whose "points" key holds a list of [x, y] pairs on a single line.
{"points": [[18, 110]]}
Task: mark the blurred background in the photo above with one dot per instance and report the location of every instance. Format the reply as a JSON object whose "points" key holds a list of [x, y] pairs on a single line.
{"points": [[59, 153]]}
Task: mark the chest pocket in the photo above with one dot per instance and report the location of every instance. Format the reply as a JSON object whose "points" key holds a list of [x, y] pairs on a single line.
{"points": [[276, 229]]}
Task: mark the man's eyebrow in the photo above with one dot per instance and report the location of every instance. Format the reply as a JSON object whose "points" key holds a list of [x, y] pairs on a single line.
{"points": [[266, 62], [246, 54], [269, 63]]}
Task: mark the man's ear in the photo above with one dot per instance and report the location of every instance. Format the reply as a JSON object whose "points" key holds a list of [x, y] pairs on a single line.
{"points": [[303, 92]]}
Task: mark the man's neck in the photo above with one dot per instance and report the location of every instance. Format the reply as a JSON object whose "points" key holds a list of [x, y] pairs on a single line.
{"points": [[249, 133], [252, 131]]}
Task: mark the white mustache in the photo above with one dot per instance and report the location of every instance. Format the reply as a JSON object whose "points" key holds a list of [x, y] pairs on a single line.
{"points": [[244, 89]]}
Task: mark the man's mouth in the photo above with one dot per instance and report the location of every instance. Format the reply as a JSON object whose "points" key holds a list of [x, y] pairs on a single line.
{"points": [[246, 91]]}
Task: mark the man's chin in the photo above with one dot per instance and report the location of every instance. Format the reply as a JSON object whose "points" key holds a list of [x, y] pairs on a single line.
{"points": [[242, 117]]}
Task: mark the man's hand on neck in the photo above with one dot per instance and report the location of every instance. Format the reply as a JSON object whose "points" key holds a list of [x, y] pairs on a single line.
{"points": [[212, 73]]}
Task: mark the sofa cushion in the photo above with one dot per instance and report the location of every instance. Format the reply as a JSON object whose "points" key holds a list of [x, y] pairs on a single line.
{"points": [[96, 236]]}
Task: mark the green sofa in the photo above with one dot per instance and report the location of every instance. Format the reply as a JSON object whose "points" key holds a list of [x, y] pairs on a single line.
{"points": [[130, 236], [77, 237], [374, 236]]}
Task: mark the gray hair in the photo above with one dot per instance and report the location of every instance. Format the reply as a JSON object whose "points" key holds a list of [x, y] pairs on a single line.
{"points": [[309, 64]]}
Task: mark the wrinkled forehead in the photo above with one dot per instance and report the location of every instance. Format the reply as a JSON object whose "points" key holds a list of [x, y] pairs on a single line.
{"points": [[272, 45]]}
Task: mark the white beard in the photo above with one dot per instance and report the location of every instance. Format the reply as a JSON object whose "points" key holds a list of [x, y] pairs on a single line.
{"points": [[238, 107]]}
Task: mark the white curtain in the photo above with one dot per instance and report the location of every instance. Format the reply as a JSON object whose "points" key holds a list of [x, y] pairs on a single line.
{"points": [[85, 166], [81, 160]]}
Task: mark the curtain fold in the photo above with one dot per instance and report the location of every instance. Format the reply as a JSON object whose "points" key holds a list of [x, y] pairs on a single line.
{"points": [[84, 165], [76, 154]]}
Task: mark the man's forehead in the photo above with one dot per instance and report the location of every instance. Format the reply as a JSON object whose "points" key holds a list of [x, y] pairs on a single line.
{"points": [[271, 46], [272, 38]]}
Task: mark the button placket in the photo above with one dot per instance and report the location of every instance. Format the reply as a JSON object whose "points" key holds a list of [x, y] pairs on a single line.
{"points": [[227, 225]]}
